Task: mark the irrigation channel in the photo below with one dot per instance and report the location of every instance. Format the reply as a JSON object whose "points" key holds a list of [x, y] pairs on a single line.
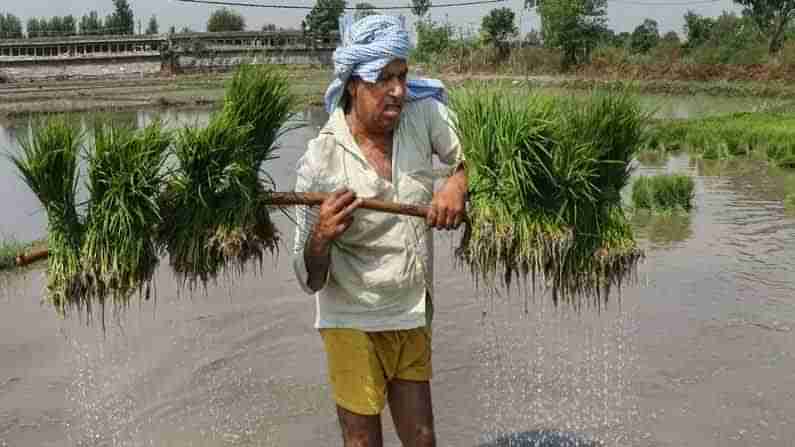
{"points": [[697, 354]]}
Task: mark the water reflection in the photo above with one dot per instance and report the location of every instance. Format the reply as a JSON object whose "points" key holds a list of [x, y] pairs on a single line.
{"points": [[662, 230], [242, 366]]}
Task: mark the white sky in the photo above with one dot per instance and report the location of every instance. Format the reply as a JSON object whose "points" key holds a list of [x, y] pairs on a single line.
{"points": [[624, 15]]}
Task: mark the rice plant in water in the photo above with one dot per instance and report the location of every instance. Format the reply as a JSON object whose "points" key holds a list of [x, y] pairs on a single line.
{"points": [[664, 192], [544, 176], [125, 175], [766, 135], [49, 165], [789, 203], [215, 217]]}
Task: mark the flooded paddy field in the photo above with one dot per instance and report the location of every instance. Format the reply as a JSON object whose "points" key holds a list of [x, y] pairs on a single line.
{"points": [[697, 353]]}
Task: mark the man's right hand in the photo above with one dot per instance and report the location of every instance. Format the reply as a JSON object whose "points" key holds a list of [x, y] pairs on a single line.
{"points": [[335, 216]]}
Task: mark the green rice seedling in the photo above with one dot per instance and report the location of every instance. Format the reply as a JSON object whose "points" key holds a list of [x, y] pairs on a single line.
{"points": [[544, 180], [125, 175], [642, 193], [664, 192], [49, 165], [789, 202], [213, 215], [766, 135], [216, 217], [783, 153], [260, 95]]}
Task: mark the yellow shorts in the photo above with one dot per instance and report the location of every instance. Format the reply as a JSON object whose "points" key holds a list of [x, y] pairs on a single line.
{"points": [[360, 364]]}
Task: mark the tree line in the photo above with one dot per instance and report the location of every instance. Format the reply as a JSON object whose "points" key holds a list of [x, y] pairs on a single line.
{"points": [[120, 21], [574, 27]]}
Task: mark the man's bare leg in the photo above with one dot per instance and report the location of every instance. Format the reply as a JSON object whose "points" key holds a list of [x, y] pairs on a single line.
{"points": [[360, 430], [412, 412]]}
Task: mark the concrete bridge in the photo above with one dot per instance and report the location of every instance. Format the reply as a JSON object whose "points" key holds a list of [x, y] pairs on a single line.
{"points": [[128, 55]]}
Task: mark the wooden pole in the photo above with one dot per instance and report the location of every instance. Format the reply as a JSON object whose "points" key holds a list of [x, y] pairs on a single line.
{"points": [[286, 199], [31, 257]]}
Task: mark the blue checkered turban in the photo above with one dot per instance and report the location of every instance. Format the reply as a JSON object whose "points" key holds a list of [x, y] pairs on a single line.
{"points": [[368, 46]]}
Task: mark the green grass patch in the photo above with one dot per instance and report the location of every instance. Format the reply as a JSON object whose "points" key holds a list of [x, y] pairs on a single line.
{"points": [[767, 135], [9, 249], [664, 192], [789, 203], [545, 174]]}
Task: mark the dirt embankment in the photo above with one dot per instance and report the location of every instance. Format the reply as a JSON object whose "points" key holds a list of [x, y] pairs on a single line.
{"points": [[154, 91], [309, 84]]}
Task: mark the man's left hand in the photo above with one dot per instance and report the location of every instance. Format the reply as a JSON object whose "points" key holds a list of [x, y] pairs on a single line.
{"points": [[449, 203]]}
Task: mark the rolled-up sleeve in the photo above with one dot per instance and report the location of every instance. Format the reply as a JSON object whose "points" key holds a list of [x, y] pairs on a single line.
{"points": [[305, 219], [444, 138]]}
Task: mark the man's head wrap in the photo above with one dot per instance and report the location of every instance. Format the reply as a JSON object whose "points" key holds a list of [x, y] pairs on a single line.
{"points": [[368, 46]]}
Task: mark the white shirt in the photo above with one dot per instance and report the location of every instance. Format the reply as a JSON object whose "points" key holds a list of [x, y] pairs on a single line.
{"points": [[381, 267]]}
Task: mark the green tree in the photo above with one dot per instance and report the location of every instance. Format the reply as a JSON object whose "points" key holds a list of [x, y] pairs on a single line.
{"points": [[498, 27], [33, 28], [269, 27], [364, 9], [420, 7], [324, 18], [122, 21], [55, 26], [671, 38], [10, 27], [432, 39], [153, 27], [645, 37], [698, 29], [574, 26], [225, 19], [772, 17], [91, 23], [69, 24]]}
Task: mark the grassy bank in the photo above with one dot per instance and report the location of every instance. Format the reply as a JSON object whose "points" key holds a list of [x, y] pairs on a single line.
{"points": [[309, 85], [10, 248]]}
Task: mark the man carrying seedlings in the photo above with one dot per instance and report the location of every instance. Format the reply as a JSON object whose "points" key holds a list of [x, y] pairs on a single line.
{"points": [[371, 272]]}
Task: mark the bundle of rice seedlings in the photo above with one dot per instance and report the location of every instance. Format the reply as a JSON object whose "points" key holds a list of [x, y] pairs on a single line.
{"points": [[216, 218], [125, 176], [544, 178], [210, 211], [663, 192], [260, 95], [49, 165]]}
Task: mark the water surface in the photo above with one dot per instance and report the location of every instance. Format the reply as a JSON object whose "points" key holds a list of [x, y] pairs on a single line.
{"points": [[697, 354]]}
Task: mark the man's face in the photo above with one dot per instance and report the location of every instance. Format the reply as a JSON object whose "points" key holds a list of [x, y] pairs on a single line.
{"points": [[378, 105]]}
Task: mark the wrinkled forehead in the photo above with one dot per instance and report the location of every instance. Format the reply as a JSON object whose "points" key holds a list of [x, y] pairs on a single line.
{"points": [[396, 67]]}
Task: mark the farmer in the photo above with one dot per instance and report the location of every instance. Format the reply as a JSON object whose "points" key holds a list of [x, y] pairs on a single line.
{"points": [[371, 272]]}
